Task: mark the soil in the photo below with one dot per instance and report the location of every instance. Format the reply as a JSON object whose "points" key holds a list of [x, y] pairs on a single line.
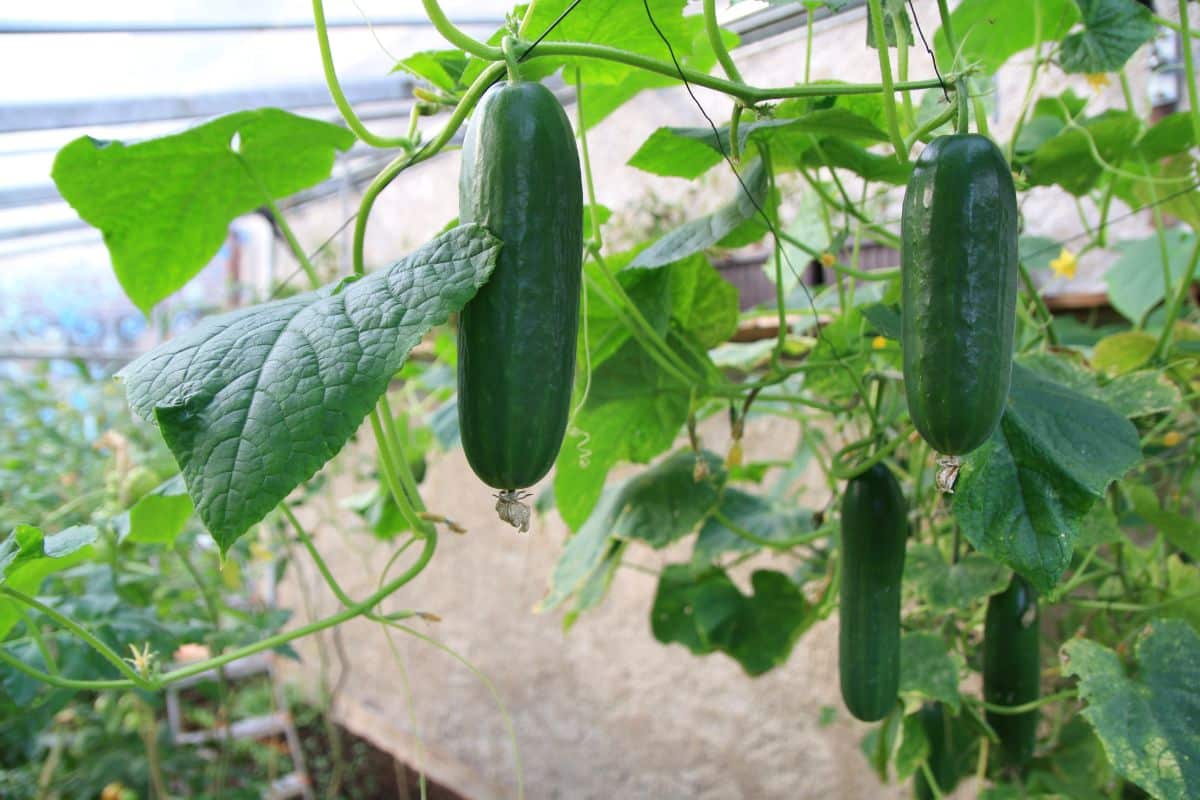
{"points": [[367, 772]]}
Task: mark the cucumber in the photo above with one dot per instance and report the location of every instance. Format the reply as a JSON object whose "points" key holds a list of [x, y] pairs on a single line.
{"points": [[944, 751], [874, 533], [516, 338], [1011, 667], [959, 274]]}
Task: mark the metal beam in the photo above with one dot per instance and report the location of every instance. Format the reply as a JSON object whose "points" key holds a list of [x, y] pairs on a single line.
{"points": [[35, 27], [124, 111], [780, 19]]}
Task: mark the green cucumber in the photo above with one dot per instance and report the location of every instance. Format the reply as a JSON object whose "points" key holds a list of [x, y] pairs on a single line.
{"points": [[874, 533], [516, 338], [959, 275], [1011, 667], [941, 731]]}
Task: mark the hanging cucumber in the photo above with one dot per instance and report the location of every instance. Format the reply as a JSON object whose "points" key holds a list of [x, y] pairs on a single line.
{"points": [[1011, 673], [874, 533], [944, 755], [516, 340], [959, 284]]}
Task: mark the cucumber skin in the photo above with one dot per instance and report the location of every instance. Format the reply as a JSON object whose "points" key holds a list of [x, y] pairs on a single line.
{"points": [[959, 285], [1011, 667], [516, 338], [874, 535], [942, 755]]}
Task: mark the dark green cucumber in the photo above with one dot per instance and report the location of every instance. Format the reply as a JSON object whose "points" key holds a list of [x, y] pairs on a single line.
{"points": [[516, 338], [943, 751], [1011, 667], [959, 277], [874, 532]]}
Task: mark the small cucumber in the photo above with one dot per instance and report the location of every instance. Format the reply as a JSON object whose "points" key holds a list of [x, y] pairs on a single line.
{"points": [[1011, 667], [874, 533]]}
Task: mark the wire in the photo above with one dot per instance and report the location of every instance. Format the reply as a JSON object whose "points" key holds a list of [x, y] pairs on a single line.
{"points": [[546, 32], [1134, 212], [746, 190], [932, 57]]}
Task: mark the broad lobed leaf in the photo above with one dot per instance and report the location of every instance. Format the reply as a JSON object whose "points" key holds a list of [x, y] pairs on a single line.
{"points": [[164, 205], [254, 402]]}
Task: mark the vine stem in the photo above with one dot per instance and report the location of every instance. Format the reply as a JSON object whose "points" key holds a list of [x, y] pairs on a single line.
{"points": [[403, 162], [930, 126], [402, 468], [885, 73], [335, 88], [1024, 708], [135, 681], [508, 47], [388, 460], [1189, 68], [902, 44], [749, 95], [456, 36], [947, 28], [430, 544], [288, 234], [1185, 285], [1038, 301], [83, 633], [734, 88], [1033, 74], [714, 39], [315, 554]]}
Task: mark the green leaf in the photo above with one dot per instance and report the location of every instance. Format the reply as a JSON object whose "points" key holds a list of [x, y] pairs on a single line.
{"points": [[442, 68], [952, 588], [1036, 252], [620, 87], [1135, 280], [927, 670], [704, 232], [893, 10], [703, 303], [884, 318], [1146, 717], [1182, 532], [254, 402], [666, 503], [633, 413], [914, 747], [1021, 496], [844, 345], [1175, 194], [1066, 158], [164, 205], [751, 513], [161, 515], [1133, 395], [856, 158], [988, 35], [1099, 527], [1123, 352], [679, 152], [1169, 136], [28, 557], [703, 610], [27, 544], [593, 590], [1113, 30], [616, 23]]}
